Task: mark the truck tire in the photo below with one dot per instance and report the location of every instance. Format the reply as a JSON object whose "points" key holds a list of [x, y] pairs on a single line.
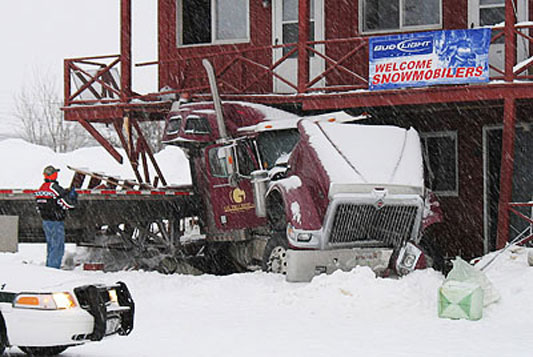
{"points": [[43, 351], [3, 335], [275, 255]]}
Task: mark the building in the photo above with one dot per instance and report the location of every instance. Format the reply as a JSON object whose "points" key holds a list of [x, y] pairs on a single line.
{"points": [[313, 55]]}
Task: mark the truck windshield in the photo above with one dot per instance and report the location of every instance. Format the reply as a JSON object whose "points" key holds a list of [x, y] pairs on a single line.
{"points": [[273, 144]]}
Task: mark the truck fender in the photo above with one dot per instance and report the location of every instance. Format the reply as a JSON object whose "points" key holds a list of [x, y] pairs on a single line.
{"points": [[298, 204]]}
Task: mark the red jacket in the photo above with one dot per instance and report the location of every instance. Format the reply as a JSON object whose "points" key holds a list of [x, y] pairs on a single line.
{"points": [[53, 201]]}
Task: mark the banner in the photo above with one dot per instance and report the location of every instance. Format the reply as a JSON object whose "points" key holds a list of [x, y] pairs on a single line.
{"points": [[429, 58]]}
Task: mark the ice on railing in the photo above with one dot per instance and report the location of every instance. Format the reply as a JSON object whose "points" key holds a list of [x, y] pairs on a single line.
{"points": [[523, 64]]}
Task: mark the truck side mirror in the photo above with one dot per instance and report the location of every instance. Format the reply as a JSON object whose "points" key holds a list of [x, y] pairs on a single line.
{"points": [[225, 155]]}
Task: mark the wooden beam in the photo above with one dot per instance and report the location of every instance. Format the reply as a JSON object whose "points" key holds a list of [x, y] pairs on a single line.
{"points": [[125, 49], [103, 141], [303, 37], [506, 173], [510, 40]]}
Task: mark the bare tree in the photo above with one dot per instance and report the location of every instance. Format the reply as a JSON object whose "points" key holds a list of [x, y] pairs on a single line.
{"points": [[38, 109]]}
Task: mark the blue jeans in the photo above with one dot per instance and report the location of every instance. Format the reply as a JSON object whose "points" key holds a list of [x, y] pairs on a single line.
{"points": [[55, 242]]}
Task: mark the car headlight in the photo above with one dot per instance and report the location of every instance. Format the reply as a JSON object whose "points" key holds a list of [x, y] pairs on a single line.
{"points": [[53, 301], [113, 296]]}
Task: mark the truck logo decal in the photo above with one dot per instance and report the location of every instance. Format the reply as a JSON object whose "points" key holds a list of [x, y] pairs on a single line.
{"points": [[379, 204], [237, 195]]}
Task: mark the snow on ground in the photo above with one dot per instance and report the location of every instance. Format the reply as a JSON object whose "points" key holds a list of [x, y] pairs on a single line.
{"points": [[344, 314], [259, 314]]}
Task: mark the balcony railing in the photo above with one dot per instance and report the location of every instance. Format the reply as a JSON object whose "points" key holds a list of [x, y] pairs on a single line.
{"points": [[92, 80], [342, 66]]}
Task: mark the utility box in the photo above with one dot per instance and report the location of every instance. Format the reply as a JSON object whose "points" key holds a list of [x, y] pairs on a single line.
{"points": [[9, 234], [460, 300]]}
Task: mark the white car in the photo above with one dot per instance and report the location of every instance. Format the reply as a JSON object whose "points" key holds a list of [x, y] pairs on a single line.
{"points": [[44, 311]]}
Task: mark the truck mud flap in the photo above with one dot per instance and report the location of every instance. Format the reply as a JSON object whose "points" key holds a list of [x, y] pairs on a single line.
{"points": [[95, 299]]}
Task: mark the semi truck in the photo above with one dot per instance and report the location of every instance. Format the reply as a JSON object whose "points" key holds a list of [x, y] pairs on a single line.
{"points": [[293, 195]]}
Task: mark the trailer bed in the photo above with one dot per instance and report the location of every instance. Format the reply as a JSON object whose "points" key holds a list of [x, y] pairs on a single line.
{"points": [[98, 208]]}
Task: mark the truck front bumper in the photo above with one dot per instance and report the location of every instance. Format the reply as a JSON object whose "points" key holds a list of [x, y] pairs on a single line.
{"points": [[303, 265]]}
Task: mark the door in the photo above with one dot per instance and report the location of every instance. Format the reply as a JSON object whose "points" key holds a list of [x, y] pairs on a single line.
{"points": [[491, 12], [285, 30], [230, 188], [522, 183]]}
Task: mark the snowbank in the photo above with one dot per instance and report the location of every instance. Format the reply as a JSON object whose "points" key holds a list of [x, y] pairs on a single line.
{"points": [[25, 166]]}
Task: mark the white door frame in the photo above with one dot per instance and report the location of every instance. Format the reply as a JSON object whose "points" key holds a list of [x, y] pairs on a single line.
{"points": [[289, 68]]}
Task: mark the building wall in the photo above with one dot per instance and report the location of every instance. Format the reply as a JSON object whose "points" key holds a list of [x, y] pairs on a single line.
{"points": [[177, 73], [341, 21]]}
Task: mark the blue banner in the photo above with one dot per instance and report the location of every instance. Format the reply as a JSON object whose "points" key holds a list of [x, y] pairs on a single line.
{"points": [[429, 58]]}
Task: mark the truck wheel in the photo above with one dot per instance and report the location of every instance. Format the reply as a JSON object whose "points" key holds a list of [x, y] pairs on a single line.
{"points": [[275, 255], [43, 351], [3, 336]]}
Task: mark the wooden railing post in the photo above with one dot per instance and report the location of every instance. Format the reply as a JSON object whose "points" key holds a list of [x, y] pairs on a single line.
{"points": [[125, 49], [66, 82], [506, 173], [510, 40], [303, 37]]}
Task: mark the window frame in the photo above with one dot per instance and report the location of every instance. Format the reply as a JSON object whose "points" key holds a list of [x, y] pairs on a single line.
{"points": [[442, 134], [177, 118], [198, 118], [401, 29], [214, 41]]}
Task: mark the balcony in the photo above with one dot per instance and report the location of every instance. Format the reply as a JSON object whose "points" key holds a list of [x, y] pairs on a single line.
{"points": [[250, 73]]}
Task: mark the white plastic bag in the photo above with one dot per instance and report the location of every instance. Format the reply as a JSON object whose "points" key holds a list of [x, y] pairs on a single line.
{"points": [[462, 271]]}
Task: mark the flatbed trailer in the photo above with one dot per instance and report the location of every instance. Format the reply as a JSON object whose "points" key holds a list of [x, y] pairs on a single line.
{"points": [[109, 208]]}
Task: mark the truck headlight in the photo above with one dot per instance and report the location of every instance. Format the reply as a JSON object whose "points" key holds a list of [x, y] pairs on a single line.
{"points": [[298, 236], [304, 237], [53, 301], [407, 259]]}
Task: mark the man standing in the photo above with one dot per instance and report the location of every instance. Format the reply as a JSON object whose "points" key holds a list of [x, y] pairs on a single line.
{"points": [[52, 203]]}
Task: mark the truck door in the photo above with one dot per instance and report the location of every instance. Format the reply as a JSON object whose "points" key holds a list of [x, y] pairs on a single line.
{"points": [[230, 185]]}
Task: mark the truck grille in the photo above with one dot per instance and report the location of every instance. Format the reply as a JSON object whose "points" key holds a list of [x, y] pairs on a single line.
{"points": [[390, 225]]}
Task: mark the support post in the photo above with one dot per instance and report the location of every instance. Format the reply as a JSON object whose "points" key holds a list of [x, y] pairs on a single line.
{"points": [[125, 49], [510, 40], [101, 140], [66, 82], [303, 37], [506, 173], [122, 138]]}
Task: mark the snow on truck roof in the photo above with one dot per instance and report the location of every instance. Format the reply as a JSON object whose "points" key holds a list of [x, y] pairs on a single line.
{"points": [[367, 154], [279, 123]]}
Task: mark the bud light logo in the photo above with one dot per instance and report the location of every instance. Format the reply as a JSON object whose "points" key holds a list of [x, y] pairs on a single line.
{"points": [[402, 47]]}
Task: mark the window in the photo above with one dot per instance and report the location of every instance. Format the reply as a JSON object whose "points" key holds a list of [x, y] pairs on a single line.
{"points": [[174, 125], [439, 150], [289, 23], [400, 15], [212, 21], [491, 12], [244, 159], [274, 144], [197, 126]]}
